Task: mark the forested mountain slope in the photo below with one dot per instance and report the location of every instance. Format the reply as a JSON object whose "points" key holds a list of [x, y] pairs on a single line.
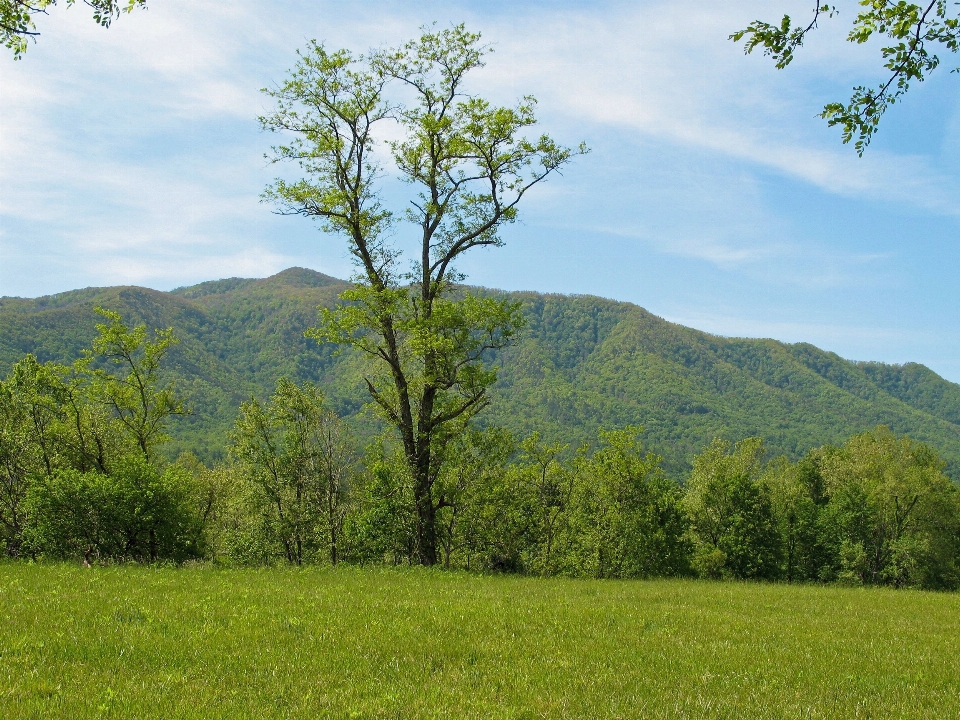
{"points": [[581, 364]]}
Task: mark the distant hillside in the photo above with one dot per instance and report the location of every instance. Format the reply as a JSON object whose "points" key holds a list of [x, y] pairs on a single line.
{"points": [[582, 363]]}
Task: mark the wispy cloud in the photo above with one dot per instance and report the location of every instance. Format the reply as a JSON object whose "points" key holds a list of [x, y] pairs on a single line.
{"points": [[666, 70]]}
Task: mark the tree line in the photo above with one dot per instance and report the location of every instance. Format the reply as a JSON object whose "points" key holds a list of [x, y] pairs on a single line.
{"points": [[82, 479]]}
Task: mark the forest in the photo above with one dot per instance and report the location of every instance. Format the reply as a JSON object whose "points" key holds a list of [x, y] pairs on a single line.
{"points": [[85, 479]]}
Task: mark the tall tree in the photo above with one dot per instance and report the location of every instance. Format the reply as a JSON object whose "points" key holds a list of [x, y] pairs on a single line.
{"points": [[17, 18], [914, 32], [470, 164]]}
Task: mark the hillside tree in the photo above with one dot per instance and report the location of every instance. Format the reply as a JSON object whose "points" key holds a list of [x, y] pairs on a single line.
{"points": [[469, 163]]}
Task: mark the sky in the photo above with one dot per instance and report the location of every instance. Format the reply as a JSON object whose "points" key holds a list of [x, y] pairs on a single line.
{"points": [[712, 196]]}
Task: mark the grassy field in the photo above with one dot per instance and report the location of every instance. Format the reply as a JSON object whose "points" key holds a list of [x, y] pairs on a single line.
{"points": [[359, 643]]}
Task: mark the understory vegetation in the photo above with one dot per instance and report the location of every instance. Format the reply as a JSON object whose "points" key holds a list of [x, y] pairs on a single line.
{"points": [[81, 478]]}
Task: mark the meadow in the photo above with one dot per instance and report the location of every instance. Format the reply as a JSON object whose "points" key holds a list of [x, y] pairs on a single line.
{"points": [[140, 641]]}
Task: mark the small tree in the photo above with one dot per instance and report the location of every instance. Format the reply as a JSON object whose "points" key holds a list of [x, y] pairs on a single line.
{"points": [[627, 518], [133, 395], [798, 496], [732, 524], [473, 465], [380, 522], [297, 453], [549, 488], [471, 166]]}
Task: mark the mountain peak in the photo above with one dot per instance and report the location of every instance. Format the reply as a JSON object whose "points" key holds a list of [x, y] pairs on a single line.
{"points": [[302, 277]]}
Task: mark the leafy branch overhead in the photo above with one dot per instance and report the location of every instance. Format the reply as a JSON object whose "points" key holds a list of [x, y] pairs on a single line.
{"points": [[17, 18], [915, 34]]}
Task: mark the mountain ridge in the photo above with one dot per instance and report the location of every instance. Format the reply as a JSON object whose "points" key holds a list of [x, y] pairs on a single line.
{"points": [[583, 362]]}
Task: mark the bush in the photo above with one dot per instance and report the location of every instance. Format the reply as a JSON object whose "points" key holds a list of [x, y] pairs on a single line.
{"points": [[135, 513]]}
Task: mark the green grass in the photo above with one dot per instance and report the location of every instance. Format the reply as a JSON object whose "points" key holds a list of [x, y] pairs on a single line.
{"points": [[364, 643]]}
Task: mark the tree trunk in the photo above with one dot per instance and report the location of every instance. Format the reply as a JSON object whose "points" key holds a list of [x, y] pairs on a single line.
{"points": [[333, 538], [426, 521]]}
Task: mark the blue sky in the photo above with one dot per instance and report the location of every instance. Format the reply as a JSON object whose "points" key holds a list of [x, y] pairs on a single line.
{"points": [[713, 196]]}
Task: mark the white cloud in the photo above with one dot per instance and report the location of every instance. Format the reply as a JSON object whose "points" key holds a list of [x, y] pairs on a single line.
{"points": [[158, 266]]}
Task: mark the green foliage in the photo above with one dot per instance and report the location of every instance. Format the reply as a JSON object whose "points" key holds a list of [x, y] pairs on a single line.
{"points": [[381, 525], [17, 18], [78, 478], [295, 453], [475, 519], [508, 507], [893, 511], [732, 521], [135, 513], [626, 518], [132, 395], [877, 510], [18, 460], [910, 28], [798, 494], [549, 486]]}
